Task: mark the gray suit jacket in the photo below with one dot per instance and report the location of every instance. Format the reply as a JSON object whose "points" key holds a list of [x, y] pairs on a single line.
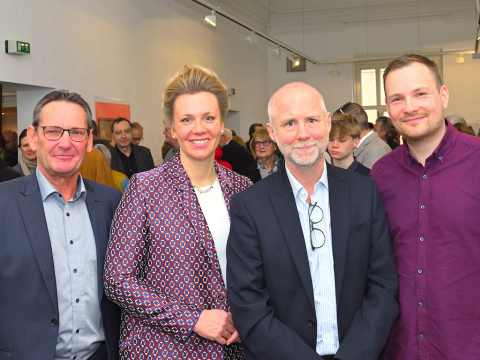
{"points": [[28, 292], [143, 157], [371, 149]]}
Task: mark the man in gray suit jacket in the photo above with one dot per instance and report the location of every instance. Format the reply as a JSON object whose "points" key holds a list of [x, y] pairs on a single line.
{"points": [[54, 231], [128, 158], [371, 147]]}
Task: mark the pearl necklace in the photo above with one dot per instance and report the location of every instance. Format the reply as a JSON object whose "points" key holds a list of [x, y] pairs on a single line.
{"points": [[210, 187]]}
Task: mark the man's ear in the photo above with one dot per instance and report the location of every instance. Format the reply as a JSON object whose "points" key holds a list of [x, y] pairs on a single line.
{"points": [[271, 132], [355, 142], [32, 137]]}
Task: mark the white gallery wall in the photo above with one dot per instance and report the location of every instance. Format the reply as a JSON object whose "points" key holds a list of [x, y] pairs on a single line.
{"points": [[330, 39], [127, 49]]}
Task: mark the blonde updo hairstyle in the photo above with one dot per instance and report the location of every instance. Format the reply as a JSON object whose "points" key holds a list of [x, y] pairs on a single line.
{"points": [[193, 79]]}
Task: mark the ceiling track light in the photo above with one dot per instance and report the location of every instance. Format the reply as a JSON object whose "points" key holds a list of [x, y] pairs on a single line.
{"points": [[252, 39], [295, 60], [335, 71], [211, 19], [277, 50]]}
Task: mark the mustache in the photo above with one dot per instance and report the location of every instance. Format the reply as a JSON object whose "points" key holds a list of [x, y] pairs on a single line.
{"points": [[408, 117], [305, 144]]}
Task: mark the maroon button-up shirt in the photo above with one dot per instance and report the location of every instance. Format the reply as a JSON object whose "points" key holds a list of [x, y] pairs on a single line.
{"points": [[433, 214]]}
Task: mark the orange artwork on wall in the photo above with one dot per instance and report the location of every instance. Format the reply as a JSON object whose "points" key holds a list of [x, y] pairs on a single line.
{"points": [[107, 112]]}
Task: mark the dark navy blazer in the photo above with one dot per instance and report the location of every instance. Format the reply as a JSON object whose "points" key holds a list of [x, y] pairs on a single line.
{"points": [[28, 294]]}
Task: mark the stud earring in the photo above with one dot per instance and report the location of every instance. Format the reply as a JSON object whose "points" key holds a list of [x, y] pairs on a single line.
{"points": [[173, 136], [222, 131]]}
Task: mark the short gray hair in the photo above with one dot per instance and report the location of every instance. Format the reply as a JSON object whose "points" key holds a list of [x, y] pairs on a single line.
{"points": [[272, 113], [62, 95], [455, 119], [228, 133]]}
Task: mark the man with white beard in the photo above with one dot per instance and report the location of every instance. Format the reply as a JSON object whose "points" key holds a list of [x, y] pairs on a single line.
{"points": [[310, 267]]}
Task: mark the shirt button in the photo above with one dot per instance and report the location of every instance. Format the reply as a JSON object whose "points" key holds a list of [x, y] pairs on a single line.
{"points": [[440, 158], [420, 271], [422, 336], [311, 322], [327, 303], [420, 304], [71, 242], [421, 239], [77, 331], [424, 176], [74, 357], [220, 296], [422, 207], [54, 322], [327, 336], [75, 270], [77, 301], [68, 214]]}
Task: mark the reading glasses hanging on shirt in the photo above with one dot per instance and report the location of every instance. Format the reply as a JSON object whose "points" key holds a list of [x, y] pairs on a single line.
{"points": [[317, 236]]}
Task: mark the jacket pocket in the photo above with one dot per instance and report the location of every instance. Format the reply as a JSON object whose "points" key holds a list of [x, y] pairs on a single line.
{"points": [[359, 227]]}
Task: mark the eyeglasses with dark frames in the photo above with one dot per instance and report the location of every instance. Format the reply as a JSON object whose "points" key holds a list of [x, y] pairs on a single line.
{"points": [[317, 236], [265, 143], [55, 133]]}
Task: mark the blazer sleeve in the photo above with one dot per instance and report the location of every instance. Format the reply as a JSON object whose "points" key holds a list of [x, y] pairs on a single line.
{"points": [[368, 332], [265, 337], [125, 266]]}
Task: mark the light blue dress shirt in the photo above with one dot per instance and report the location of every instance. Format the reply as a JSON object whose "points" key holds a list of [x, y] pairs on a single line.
{"points": [[74, 252], [320, 260]]}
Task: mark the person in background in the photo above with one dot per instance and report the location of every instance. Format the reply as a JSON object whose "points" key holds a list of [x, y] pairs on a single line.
{"points": [[128, 158], [28, 160], [386, 131], [2, 147], [171, 139], [429, 188], [464, 128], [238, 139], [455, 119], [234, 153], [7, 173], [344, 137], [371, 147], [267, 156], [137, 133], [11, 147], [254, 127], [166, 259]]}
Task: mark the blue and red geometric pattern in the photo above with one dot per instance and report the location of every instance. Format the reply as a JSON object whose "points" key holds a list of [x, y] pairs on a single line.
{"points": [[162, 267]]}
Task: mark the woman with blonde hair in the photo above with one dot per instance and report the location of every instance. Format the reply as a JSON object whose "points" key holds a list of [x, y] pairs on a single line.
{"points": [[166, 261], [268, 158]]}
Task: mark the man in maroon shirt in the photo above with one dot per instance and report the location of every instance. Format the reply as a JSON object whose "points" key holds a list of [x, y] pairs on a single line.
{"points": [[430, 190]]}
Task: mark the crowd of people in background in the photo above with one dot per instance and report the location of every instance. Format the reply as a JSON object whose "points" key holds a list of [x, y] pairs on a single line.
{"points": [[323, 236]]}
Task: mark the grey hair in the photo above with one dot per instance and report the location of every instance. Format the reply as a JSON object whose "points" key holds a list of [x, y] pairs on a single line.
{"points": [[62, 95], [455, 119], [272, 113], [228, 133]]}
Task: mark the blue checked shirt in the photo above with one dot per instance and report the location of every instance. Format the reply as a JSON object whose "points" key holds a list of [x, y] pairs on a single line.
{"points": [[320, 261]]}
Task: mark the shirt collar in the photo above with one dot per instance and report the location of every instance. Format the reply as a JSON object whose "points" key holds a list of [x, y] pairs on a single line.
{"points": [[364, 138], [47, 189], [442, 150], [353, 165], [297, 187]]}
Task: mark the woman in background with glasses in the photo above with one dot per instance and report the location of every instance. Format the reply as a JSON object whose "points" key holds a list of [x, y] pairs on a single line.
{"points": [[166, 261], [268, 158]]}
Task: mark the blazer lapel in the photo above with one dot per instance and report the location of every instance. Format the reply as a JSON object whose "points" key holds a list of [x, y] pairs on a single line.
{"points": [[31, 207], [340, 222], [285, 208], [96, 214]]}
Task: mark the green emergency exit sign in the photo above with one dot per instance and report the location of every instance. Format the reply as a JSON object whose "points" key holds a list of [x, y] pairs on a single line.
{"points": [[17, 47]]}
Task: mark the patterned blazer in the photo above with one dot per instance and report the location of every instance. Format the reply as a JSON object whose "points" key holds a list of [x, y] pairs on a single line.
{"points": [[162, 267]]}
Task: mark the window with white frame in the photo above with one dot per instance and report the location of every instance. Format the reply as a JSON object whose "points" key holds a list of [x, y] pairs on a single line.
{"points": [[368, 86]]}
